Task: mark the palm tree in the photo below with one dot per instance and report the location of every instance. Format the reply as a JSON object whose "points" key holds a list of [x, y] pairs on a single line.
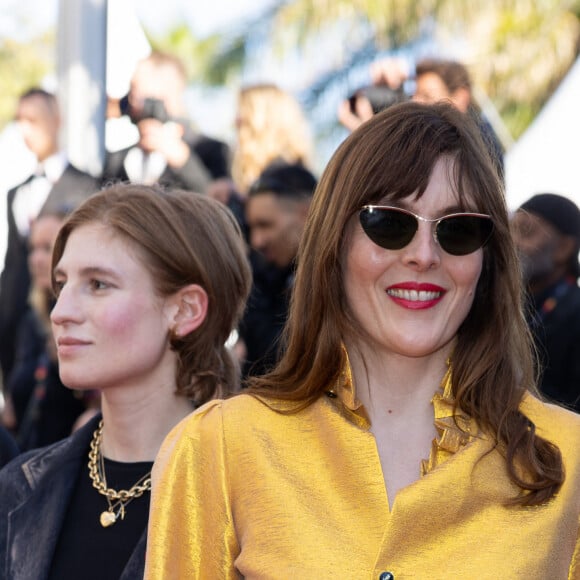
{"points": [[22, 65], [517, 50]]}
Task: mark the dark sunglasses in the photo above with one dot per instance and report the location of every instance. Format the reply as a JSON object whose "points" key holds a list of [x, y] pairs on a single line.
{"points": [[393, 228]]}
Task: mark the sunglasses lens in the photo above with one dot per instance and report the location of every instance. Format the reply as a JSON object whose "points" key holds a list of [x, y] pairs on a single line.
{"points": [[389, 228], [462, 235]]}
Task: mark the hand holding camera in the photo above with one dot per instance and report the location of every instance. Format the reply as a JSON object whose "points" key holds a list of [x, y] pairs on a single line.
{"points": [[158, 131], [164, 138], [388, 77], [354, 112]]}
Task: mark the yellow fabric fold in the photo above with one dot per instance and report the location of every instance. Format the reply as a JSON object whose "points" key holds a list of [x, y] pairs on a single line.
{"points": [[454, 428]]}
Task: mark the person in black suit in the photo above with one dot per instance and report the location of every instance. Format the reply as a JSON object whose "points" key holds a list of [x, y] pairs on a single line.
{"points": [[547, 234], [55, 185], [276, 212], [169, 151]]}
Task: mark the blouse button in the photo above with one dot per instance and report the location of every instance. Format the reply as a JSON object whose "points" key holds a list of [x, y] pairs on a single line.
{"points": [[386, 576]]}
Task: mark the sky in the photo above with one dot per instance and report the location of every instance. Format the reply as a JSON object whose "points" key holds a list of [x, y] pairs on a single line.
{"points": [[25, 19], [202, 17], [21, 19]]}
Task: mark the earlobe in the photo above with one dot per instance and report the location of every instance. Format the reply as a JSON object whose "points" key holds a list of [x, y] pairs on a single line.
{"points": [[564, 250], [461, 97], [304, 209], [192, 303]]}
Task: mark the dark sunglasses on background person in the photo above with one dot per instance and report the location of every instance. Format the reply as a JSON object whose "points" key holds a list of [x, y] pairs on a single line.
{"points": [[393, 228]]}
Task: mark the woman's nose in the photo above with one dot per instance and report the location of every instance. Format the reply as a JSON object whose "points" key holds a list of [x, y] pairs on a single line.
{"points": [[67, 307], [423, 251]]}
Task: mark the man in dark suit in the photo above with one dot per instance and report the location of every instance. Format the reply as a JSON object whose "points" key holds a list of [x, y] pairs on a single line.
{"points": [[168, 150], [276, 212], [56, 185]]}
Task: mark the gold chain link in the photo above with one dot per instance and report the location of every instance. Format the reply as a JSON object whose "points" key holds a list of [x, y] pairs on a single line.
{"points": [[142, 485]]}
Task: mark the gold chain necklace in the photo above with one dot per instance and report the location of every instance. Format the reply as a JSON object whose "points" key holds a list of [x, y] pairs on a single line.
{"points": [[117, 500]]}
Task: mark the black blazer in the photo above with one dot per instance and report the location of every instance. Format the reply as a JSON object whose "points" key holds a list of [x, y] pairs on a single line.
{"points": [[557, 338], [73, 187], [35, 490]]}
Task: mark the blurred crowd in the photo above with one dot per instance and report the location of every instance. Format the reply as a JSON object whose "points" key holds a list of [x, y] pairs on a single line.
{"points": [[267, 179], [192, 270]]}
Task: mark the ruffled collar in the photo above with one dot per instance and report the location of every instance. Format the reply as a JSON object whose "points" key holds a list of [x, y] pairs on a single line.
{"points": [[454, 427]]}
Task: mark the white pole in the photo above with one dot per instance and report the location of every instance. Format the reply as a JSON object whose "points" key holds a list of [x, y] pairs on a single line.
{"points": [[81, 69]]}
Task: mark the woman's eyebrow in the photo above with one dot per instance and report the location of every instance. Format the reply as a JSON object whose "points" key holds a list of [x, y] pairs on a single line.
{"points": [[89, 271]]}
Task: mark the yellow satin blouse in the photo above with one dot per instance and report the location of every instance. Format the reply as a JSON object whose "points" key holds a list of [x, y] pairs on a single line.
{"points": [[241, 490]]}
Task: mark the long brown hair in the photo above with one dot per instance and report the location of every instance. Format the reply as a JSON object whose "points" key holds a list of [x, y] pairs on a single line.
{"points": [[182, 238], [393, 154]]}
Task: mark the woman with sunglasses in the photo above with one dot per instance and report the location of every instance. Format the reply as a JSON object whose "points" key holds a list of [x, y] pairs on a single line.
{"points": [[149, 286], [400, 435]]}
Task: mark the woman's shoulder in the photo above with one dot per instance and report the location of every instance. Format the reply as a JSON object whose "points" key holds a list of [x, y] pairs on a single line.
{"points": [[241, 410], [26, 472], [37, 463], [202, 433], [237, 417], [554, 423]]}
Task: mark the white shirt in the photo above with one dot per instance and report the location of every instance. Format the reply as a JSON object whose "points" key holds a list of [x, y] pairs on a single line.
{"points": [[31, 197], [142, 167]]}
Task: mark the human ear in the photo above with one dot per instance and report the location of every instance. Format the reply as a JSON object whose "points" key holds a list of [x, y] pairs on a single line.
{"points": [[564, 249], [304, 209], [461, 98], [190, 309]]}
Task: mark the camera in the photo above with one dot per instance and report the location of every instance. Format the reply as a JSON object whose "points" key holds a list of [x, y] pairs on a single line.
{"points": [[152, 109], [380, 97]]}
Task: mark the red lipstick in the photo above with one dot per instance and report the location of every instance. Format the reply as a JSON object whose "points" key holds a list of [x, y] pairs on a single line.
{"points": [[415, 295]]}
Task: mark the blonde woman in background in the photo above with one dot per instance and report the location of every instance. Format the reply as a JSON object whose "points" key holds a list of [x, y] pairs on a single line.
{"points": [[271, 126]]}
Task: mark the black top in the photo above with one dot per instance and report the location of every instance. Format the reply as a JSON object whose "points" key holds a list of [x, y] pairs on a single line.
{"points": [[265, 315], [87, 550], [554, 318]]}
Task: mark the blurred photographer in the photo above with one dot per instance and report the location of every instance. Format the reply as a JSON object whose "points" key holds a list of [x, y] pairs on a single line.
{"points": [[435, 80], [368, 101], [168, 150]]}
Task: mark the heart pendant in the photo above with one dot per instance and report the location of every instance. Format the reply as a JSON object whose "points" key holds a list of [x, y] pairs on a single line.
{"points": [[108, 519]]}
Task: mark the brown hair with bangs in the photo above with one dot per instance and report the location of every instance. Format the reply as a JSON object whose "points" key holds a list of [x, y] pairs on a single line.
{"points": [[182, 238], [392, 157]]}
